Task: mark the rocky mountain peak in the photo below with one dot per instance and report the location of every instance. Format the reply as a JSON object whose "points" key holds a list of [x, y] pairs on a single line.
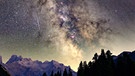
{"points": [[14, 58]]}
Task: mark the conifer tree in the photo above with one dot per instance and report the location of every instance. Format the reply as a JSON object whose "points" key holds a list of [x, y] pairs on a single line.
{"points": [[80, 69], [95, 58], [51, 73], [44, 74], [70, 72], [86, 68], [65, 73]]}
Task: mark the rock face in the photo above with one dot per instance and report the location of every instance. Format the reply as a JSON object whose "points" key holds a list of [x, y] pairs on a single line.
{"points": [[3, 71], [18, 66], [0, 59], [14, 58]]}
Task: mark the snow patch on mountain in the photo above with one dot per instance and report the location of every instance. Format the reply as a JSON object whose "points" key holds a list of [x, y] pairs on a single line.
{"points": [[19, 66]]}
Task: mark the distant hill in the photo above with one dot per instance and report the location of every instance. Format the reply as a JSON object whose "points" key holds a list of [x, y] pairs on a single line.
{"points": [[131, 55]]}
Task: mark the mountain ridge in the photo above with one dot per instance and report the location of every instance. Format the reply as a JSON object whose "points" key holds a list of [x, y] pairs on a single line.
{"points": [[19, 66]]}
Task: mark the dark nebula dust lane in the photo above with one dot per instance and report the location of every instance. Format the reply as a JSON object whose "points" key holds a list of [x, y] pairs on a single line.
{"points": [[65, 30]]}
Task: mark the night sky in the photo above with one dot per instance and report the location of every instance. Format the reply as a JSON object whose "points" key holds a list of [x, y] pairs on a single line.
{"points": [[67, 31]]}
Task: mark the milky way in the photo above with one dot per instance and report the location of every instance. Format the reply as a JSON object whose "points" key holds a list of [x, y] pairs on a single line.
{"points": [[65, 30]]}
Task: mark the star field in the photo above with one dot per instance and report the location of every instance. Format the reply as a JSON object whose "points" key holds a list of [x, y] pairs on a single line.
{"points": [[67, 31]]}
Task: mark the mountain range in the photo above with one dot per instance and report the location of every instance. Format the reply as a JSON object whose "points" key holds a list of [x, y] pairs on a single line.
{"points": [[19, 66]]}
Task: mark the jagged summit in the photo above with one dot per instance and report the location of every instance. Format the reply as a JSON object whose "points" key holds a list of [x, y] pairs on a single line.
{"points": [[14, 58], [19, 66], [53, 62]]}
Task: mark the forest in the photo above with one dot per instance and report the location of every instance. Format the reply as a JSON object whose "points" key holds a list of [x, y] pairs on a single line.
{"points": [[106, 64]]}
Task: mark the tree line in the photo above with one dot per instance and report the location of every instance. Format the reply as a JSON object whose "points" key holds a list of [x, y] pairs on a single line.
{"points": [[105, 65], [59, 73]]}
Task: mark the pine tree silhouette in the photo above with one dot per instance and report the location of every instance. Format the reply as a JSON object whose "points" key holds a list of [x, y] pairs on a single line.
{"points": [[80, 69], [44, 74], [70, 72], [51, 73], [65, 73]]}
